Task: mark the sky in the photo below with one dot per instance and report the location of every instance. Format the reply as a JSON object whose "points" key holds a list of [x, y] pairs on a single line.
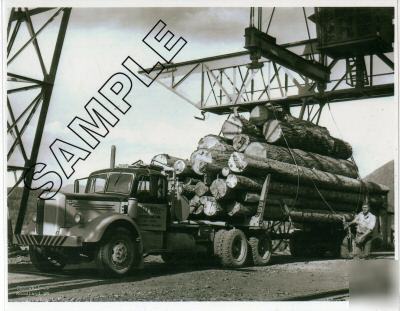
{"points": [[99, 39]]}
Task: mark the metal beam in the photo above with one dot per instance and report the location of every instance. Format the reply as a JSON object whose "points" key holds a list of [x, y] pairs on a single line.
{"points": [[47, 92], [261, 44], [298, 100]]}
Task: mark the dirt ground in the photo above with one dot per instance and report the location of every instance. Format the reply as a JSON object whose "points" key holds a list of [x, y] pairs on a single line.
{"points": [[285, 277]]}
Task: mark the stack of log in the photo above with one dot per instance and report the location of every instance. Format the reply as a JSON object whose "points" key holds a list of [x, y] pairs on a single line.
{"points": [[311, 176]]}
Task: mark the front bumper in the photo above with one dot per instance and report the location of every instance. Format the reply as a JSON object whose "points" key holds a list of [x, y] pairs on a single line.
{"points": [[47, 240]]}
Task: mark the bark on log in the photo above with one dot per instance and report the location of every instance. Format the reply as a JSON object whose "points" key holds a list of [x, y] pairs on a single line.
{"points": [[240, 163], [208, 161], [242, 141], [164, 160], [306, 136], [201, 189], [260, 114], [239, 125], [215, 142], [239, 209], [211, 207], [264, 151]]}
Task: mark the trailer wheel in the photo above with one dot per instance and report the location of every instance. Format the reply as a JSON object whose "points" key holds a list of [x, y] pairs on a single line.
{"points": [[261, 250], [218, 242], [116, 253], [234, 249], [45, 261]]}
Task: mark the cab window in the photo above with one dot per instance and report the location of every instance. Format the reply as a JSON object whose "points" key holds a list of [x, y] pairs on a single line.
{"points": [[120, 183], [151, 189], [143, 189], [96, 183]]}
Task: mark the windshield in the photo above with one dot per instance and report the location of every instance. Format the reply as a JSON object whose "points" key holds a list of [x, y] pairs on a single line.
{"points": [[120, 182], [117, 183]]}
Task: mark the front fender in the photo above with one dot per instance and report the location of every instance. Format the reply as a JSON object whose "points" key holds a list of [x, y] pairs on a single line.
{"points": [[93, 231]]}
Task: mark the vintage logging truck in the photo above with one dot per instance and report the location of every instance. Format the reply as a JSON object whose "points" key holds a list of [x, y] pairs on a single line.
{"points": [[126, 213]]}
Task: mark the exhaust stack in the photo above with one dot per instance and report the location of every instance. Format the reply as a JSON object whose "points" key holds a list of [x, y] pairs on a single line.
{"points": [[112, 157]]}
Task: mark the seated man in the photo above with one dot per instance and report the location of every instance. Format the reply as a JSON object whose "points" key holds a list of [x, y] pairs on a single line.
{"points": [[365, 222]]}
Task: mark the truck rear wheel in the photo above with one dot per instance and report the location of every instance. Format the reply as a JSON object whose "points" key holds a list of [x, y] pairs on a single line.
{"points": [[261, 250], [218, 242], [44, 260], [116, 253], [234, 248]]}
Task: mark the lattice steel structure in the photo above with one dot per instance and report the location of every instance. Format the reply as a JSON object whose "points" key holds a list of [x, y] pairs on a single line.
{"points": [[309, 73], [22, 150]]}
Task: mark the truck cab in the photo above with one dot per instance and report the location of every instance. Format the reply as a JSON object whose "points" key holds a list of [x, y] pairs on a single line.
{"points": [[121, 215]]}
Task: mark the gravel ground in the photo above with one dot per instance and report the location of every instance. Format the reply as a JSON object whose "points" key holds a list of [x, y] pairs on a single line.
{"points": [[285, 277]]}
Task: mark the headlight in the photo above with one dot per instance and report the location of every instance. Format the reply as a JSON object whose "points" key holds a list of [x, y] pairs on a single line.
{"points": [[78, 218]]}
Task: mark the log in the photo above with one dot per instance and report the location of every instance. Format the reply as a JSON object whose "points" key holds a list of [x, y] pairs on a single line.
{"points": [[302, 191], [263, 151], [215, 142], [208, 161], [220, 190], [242, 141], [305, 135], [240, 163], [225, 171], [164, 160], [184, 169], [243, 183], [290, 190], [187, 190], [239, 125], [201, 189], [239, 209], [277, 213], [250, 197], [190, 181], [195, 205], [260, 114], [211, 207]]}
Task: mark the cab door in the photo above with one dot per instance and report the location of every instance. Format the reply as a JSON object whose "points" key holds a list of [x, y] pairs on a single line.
{"points": [[151, 193]]}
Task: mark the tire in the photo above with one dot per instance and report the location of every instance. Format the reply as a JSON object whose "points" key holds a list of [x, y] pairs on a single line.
{"points": [[234, 249], [44, 260], [218, 241], [117, 253], [261, 250]]}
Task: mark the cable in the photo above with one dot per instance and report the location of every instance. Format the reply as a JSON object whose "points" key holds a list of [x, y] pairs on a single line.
{"points": [[294, 160], [353, 160]]}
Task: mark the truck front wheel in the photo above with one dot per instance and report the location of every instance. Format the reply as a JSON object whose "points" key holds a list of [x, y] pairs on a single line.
{"points": [[44, 260], [234, 248], [116, 253]]}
